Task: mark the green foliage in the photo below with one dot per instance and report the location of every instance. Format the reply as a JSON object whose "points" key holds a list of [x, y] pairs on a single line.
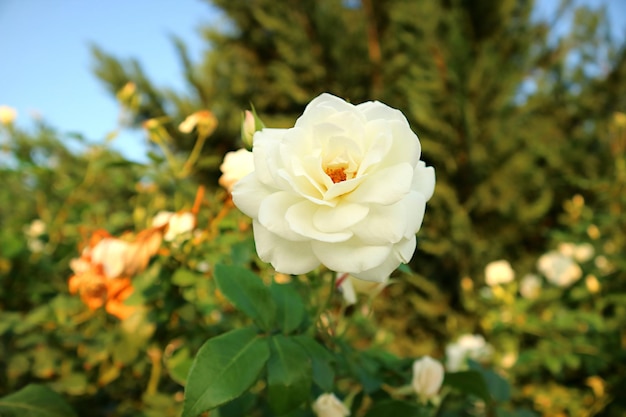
{"points": [[35, 401], [224, 368], [527, 134], [248, 293], [288, 375]]}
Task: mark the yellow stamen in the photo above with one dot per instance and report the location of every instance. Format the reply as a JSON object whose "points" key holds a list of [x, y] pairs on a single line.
{"points": [[336, 174]]}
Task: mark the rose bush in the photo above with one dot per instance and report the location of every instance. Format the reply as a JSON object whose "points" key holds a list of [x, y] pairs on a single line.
{"points": [[344, 188]]}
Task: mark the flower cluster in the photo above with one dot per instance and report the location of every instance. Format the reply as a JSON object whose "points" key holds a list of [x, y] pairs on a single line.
{"points": [[344, 188]]}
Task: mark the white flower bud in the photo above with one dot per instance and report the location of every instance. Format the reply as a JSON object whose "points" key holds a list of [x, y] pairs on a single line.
{"points": [[427, 377], [328, 405], [499, 272]]}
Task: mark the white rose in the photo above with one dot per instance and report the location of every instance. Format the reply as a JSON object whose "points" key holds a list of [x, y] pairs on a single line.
{"points": [[162, 218], [427, 377], [176, 223], [559, 269], [584, 252], [344, 188], [328, 405], [470, 346], [498, 272], [36, 228], [235, 166], [530, 286], [179, 224], [112, 254]]}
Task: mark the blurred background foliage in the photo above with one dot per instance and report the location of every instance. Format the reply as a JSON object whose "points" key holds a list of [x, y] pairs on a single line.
{"points": [[526, 129]]}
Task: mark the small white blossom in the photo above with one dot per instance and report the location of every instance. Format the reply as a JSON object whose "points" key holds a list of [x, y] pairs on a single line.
{"points": [[584, 252], [559, 269], [177, 223], [470, 346], [328, 405], [236, 165], [36, 228], [499, 272], [428, 376], [530, 286]]}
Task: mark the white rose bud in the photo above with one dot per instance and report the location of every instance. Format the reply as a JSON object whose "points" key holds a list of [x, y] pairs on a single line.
{"points": [[344, 188], [250, 124], [328, 405], [236, 165], [499, 272], [427, 377]]}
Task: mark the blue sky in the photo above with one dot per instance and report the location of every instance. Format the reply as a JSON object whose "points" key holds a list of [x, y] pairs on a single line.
{"points": [[46, 65]]}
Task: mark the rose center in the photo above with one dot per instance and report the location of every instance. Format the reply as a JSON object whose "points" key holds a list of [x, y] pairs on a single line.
{"points": [[336, 174]]}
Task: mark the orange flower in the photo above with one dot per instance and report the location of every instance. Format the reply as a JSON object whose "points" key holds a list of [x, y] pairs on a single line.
{"points": [[96, 290], [119, 290], [102, 273], [91, 286]]}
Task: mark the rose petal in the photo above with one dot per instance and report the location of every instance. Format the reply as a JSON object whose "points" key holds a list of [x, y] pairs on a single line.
{"points": [[402, 253], [341, 217], [384, 224], [300, 216], [266, 160], [272, 215], [424, 180], [286, 256], [248, 194], [374, 110], [415, 207], [352, 256], [385, 187]]}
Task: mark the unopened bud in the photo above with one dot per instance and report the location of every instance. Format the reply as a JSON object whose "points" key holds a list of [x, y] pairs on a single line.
{"points": [[250, 124], [427, 377]]}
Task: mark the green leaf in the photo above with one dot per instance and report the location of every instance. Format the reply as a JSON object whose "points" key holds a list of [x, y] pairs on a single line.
{"points": [[35, 401], [224, 368], [238, 407], [178, 365], [185, 278], [290, 309], [497, 386], [288, 375], [469, 382], [248, 293], [321, 359], [396, 408]]}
